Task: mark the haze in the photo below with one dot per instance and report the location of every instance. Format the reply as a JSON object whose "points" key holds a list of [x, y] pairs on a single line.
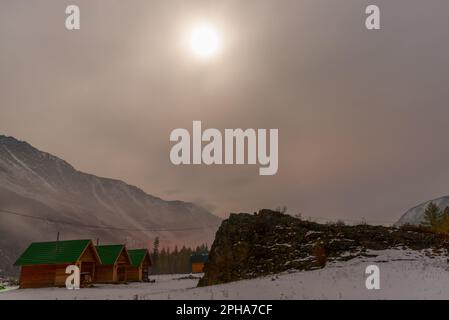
{"points": [[362, 115]]}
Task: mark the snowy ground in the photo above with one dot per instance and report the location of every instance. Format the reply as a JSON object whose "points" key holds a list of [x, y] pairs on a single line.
{"points": [[404, 274]]}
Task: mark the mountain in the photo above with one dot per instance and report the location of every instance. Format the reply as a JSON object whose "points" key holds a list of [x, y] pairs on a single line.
{"points": [[41, 195], [415, 215]]}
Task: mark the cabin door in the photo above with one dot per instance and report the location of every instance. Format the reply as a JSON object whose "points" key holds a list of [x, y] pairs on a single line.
{"points": [[121, 274]]}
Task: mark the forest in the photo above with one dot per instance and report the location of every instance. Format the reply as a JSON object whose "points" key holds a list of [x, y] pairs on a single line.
{"points": [[166, 261]]}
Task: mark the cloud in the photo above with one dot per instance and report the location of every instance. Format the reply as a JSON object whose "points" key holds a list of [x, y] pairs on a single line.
{"points": [[361, 116]]}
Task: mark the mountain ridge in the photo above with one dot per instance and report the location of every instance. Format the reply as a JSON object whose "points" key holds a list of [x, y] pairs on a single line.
{"points": [[51, 156], [415, 215], [37, 183]]}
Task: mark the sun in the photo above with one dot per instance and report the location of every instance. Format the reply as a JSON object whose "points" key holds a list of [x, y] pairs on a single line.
{"points": [[204, 41]]}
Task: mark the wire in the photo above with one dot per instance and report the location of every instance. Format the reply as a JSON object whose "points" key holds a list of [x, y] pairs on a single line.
{"points": [[100, 227], [156, 229]]}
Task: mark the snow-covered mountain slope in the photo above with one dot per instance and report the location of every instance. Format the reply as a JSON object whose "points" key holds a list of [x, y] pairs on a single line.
{"points": [[37, 183], [415, 215], [404, 274]]}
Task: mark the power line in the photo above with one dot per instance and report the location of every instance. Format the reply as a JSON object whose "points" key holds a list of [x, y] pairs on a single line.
{"points": [[90, 226], [99, 227]]}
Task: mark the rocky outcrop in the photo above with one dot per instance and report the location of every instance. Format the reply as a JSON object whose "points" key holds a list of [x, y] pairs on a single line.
{"points": [[252, 245]]}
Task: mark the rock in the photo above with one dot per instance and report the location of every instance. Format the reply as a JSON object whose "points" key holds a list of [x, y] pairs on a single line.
{"points": [[249, 246]]}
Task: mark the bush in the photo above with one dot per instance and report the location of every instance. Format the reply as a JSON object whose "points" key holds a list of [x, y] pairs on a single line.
{"points": [[319, 253], [282, 209], [414, 228], [338, 223]]}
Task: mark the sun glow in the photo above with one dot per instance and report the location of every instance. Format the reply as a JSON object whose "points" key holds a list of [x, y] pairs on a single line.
{"points": [[204, 41]]}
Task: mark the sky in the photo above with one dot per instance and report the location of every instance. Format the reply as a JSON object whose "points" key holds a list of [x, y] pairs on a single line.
{"points": [[362, 115]]}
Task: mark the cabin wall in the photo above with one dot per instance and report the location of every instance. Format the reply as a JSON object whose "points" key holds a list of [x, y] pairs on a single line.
{"points": [[121, 267], [197, 267], [134, 273], [106, 274], [88, 255], [60, 276], [37, 276], [42, 276], [122, 272], [122, 259], [87, 265]]}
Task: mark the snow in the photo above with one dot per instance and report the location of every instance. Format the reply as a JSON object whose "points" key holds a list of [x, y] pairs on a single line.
{"points": [[8, 289], [404, 274], [26, 176], [27, 168], [309, 233], [415, 215], [165, 284]]}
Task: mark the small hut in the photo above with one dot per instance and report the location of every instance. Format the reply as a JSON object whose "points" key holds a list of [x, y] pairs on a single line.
{"points": [[198, 260], [114, 264], [140, 265], [43, 264]]}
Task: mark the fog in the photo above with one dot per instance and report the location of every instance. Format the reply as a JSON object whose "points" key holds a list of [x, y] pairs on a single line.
{"points": [[362, 115]]}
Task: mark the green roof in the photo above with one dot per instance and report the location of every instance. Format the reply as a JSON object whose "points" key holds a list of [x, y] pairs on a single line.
{"points": [[137, 256], [110, 253], [56, 252], [199, 257]]}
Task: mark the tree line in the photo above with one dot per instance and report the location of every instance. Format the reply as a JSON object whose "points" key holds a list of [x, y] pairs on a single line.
{"points": [[166, 261]]}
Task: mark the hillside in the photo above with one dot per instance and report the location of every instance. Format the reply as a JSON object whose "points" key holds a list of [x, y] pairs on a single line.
{"points": [[253, 245], [47, 188]]}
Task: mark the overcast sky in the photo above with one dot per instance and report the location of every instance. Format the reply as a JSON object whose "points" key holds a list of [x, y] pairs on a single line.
{"points": [[363, 116]]}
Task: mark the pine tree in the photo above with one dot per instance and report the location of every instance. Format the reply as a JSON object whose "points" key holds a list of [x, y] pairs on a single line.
{"points": [[432, 217], [444, 221], [176, 261], [155, 256]]}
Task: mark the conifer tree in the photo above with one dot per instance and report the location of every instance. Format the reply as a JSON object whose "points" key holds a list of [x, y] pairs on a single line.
{"points": [[155, 255], [432, 217], [444, 221]]}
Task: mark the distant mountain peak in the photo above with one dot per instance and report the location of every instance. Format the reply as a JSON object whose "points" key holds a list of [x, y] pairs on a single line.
{"points": [[415, 215]]}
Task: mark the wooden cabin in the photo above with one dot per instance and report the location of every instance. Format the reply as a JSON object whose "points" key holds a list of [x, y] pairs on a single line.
{"points": [[198, 260], [114, 264], [140, 265], [43, 264]]}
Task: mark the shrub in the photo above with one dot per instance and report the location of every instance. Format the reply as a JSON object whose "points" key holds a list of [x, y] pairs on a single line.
{"points": [[338, 223], [415, 228], [319, 253], [282, 209]]}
